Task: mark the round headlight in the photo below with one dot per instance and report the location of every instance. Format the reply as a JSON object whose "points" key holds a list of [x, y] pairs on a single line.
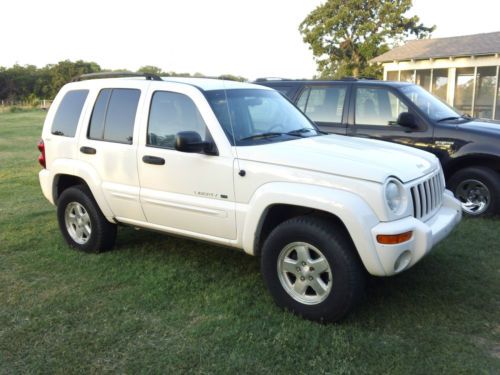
{"points": [[393, 196]]}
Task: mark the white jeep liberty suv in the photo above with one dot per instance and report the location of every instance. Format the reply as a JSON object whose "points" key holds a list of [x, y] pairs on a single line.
{"points": [[238, 165]]}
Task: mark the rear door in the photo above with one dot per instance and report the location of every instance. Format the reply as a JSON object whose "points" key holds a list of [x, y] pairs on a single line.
{"points": [[109, 145], [326, 105]]}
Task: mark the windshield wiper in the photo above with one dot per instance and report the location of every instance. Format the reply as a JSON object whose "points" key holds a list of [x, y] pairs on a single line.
{"points": [[300, 131], [262, 136], [449, 118]]}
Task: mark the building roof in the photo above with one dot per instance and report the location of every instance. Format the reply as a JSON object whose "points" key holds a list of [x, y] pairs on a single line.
{"points": [[467, 45]]}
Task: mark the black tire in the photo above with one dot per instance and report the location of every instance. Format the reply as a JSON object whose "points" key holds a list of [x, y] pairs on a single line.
{"points": [[82, 223], [478, 188], [346, 277]]}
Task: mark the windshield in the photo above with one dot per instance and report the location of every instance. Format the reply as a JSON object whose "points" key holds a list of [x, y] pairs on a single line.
{"points": [[429, 104], [258, 116]]}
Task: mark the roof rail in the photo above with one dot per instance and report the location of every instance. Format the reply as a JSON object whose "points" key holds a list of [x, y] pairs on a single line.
{"points": [[148, 76], [272, 79], [350, 78]]}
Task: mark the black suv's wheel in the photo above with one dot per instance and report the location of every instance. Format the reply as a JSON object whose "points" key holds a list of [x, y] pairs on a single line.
{"points": [[310, 267], [478, 188], [82, 223]]}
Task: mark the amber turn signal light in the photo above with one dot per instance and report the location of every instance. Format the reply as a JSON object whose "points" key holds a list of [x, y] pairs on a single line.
{"points": [[394, 239]]}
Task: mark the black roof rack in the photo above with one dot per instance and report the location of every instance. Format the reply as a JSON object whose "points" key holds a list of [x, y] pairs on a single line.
{"points": [[350, 78], [148, 76], [272, 79]]}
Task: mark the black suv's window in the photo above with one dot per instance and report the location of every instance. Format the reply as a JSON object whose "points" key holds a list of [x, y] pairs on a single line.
{"points": [[169, 114], [323, 104], [113, 116], [377, 106], [68, 113]]}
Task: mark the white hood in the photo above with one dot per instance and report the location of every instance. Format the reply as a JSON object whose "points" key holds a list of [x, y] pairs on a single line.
{"points": [[345, 156]]}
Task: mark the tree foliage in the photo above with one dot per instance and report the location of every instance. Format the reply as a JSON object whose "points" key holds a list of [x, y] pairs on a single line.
{"points": [[344, 35], [27, 82]]}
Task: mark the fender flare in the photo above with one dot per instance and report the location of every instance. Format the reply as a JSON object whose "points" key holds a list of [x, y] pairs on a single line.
{"points": [[357, 216], [88, 174]]}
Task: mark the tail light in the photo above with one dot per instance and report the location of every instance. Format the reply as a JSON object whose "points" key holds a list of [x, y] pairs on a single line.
{"points": [[41, 157]]}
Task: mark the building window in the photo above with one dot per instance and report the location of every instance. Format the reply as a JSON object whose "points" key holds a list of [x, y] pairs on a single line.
{"points": [[407, 76], [392, 75], [440, 83], [464, 88], [485, 91], [423, 78]]}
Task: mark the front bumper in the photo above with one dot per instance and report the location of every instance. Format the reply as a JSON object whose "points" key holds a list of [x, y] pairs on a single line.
{"points": [[397, 258]]}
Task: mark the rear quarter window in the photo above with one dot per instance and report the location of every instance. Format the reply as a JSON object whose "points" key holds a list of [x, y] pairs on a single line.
{"points": [[68, 113]]}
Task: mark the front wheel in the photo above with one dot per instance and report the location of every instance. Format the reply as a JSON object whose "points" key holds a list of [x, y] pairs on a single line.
{"points": [[310, 268], [478, 189], [82, 223]]}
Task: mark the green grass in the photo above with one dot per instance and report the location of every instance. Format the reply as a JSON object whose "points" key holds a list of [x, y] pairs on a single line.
{"points": [[159, 304]]}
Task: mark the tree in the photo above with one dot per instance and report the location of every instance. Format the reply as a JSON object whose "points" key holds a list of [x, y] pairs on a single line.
{"points": [[64, 72], [151, 69], [344, 35]]}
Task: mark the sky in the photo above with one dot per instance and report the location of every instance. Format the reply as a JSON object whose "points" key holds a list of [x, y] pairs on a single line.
{"points": [[257, 38]]}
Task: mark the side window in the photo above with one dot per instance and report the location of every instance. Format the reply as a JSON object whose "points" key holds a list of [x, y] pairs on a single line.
{"points": [[113, 116], [68, 113], [286, 90], [377, 106], [169, 114], [323, 104]]}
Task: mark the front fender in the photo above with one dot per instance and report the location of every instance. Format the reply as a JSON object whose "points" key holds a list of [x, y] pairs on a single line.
{"points": [[352, 210]]}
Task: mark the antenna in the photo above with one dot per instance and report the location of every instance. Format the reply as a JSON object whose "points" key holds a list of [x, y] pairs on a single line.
{"points": [[241, 173]]}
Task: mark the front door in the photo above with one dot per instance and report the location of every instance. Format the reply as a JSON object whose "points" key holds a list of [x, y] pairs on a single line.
{"points": [[376, 110], [185, 193]]}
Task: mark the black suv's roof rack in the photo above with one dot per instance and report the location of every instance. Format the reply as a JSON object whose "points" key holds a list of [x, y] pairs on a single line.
{"points": [[350, 78], [272, 79], [346, 78], [148, 76]]}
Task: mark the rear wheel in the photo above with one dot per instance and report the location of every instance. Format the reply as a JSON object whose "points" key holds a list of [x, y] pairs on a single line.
{"points": [[478, 189], [310, 268], [82, 223]]}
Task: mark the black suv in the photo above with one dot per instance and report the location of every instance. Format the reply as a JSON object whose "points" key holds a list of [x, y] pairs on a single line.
{"points": [[468, 148]]}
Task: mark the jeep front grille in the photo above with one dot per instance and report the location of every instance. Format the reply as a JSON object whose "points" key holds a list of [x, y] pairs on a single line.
{"points": [[427, 196]]}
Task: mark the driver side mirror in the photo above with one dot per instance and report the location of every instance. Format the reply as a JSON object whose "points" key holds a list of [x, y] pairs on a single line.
{"points": [[407, 120], [190, 141]]}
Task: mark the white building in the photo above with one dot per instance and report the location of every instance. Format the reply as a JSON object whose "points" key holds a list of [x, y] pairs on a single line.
{"points": [[462, 70]]}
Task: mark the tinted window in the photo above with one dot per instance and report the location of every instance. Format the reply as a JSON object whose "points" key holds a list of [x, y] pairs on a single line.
{"points": [[113, 116], [96, 129], [286, 90], [377, 106], [169, 114], [428, 103], [323, 104], [68, 113]]}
